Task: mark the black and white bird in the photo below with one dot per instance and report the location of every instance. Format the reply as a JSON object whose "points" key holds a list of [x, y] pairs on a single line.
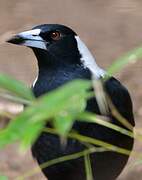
{"points": [[63, 57]]}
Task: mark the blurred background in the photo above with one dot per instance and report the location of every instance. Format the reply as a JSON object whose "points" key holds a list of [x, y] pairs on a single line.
{"points": [[109, 28]]}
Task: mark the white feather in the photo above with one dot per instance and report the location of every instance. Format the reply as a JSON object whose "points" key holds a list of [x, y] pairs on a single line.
{"points": [[34, 82], [88, 60]]}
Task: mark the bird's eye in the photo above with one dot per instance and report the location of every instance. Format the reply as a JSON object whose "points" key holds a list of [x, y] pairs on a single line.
{"points": [[55, 35]]}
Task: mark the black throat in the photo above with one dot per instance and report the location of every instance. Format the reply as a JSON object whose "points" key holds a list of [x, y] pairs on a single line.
{"points": [[47, 60], [54, 72]]}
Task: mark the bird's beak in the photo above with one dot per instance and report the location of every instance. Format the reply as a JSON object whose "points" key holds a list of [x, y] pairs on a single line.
{"points": [[30, 38]]}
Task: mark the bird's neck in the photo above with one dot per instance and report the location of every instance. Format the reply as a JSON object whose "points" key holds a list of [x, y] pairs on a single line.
{"points": [[42, 58]]}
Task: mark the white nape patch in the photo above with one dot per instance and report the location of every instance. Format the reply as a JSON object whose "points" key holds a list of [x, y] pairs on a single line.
{"points": [[33, 85], [88, 60], [32, 39]]}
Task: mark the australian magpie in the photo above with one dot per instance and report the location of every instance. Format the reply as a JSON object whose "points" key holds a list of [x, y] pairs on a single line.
{"points": [[62, 56]]}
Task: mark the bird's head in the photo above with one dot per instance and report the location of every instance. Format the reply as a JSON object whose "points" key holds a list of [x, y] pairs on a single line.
{"points": [[44, 37], [56, 44], [52, 39]]}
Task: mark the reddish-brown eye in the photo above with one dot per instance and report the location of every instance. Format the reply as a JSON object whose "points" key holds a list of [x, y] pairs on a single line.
{"points": [[55, 35]]}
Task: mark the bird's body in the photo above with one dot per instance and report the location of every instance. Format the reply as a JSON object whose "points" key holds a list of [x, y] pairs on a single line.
{"points": [[105, 164], [62, 59]]}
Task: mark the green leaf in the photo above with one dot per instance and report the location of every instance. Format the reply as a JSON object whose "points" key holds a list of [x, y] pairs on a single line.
{"points": [[121, 62], [64, 120], [46, 107], [16, 87], [3, 178], [30, 136], [63, 123]]}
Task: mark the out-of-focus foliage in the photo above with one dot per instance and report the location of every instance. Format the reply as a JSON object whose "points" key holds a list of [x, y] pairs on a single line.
{"points": [[61, 107]]}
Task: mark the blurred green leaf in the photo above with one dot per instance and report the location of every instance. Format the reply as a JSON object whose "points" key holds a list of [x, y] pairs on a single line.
{"points": [[30, 136], [62, 106], [3, 178], [16, 87], [64, 120], [130, 57], [63, 123], [44, 108]]}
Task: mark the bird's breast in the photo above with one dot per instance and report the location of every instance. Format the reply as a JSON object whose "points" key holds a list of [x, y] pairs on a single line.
{"points": [[51, 79]]}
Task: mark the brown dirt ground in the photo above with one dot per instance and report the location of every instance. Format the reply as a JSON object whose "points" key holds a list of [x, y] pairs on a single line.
{"points": [[109, 28]]}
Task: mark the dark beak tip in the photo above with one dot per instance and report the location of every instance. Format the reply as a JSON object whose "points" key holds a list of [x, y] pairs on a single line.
{"points": [[9, 40], [15, 40]]}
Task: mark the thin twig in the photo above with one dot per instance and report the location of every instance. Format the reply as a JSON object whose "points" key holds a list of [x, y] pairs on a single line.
{"points": [[15, 99], [60, 160]]}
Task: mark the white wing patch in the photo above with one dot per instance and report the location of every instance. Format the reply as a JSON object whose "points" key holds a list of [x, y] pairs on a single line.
{"points": [[88, 60]]}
